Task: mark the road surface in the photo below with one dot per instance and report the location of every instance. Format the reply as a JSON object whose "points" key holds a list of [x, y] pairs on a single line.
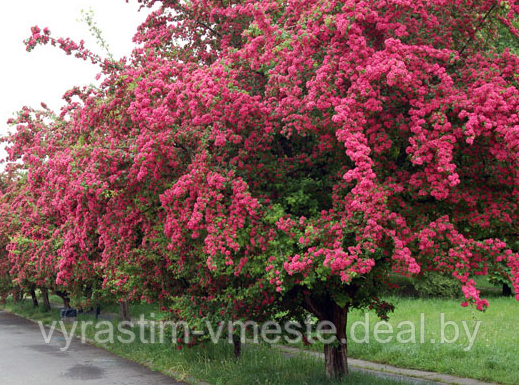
{"points": [[25, 359]]}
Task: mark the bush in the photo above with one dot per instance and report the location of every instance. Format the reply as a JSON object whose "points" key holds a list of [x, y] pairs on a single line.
{"points": [[435, 284], [401, 286]]}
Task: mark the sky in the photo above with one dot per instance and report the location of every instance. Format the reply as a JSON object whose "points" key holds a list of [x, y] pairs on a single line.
{"points": [[46, 73]]}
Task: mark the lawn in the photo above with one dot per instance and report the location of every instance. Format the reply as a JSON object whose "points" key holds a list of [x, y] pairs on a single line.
{"points": [[493, 356]]}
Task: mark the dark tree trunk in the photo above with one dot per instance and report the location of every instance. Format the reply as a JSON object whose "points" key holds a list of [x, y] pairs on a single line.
{"points": [[124, 312], [236, 340], [33, 295], [46, 302], [65, 298], [336, 355], [507, 290]]}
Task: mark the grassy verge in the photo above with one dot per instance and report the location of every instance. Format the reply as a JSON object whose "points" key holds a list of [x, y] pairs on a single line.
{"points": [[493, 356], [212, 363]]}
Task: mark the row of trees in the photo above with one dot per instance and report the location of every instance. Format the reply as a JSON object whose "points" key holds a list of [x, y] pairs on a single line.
{"points": [[254, 158]]}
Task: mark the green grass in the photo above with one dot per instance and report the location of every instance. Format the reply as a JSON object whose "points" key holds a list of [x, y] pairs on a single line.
{"points": [[493, 356], [212, 363]]}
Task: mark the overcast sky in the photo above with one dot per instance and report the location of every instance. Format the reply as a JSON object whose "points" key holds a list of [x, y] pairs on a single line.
{"points": [[43, 75]]}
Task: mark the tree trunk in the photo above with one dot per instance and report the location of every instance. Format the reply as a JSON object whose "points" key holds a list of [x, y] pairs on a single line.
{"points": [[65, 298], [124, 312], [336, 360], [507, 290], [336, 355], [33, 295], [236, 340], [46, 302]]}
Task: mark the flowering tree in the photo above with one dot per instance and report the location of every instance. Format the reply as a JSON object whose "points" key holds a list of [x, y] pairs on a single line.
{"points": [[31, 211], [294, 152], [6, 284]]}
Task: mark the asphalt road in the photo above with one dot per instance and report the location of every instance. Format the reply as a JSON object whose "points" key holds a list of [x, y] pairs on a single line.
{"points": [[25, 359]]}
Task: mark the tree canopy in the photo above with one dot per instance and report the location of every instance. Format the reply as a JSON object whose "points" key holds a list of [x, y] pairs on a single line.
{"points": [[252, 156]]}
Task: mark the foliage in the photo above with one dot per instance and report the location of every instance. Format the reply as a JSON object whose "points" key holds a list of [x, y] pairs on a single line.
{"points": [[87, 17], [433, 284]]}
